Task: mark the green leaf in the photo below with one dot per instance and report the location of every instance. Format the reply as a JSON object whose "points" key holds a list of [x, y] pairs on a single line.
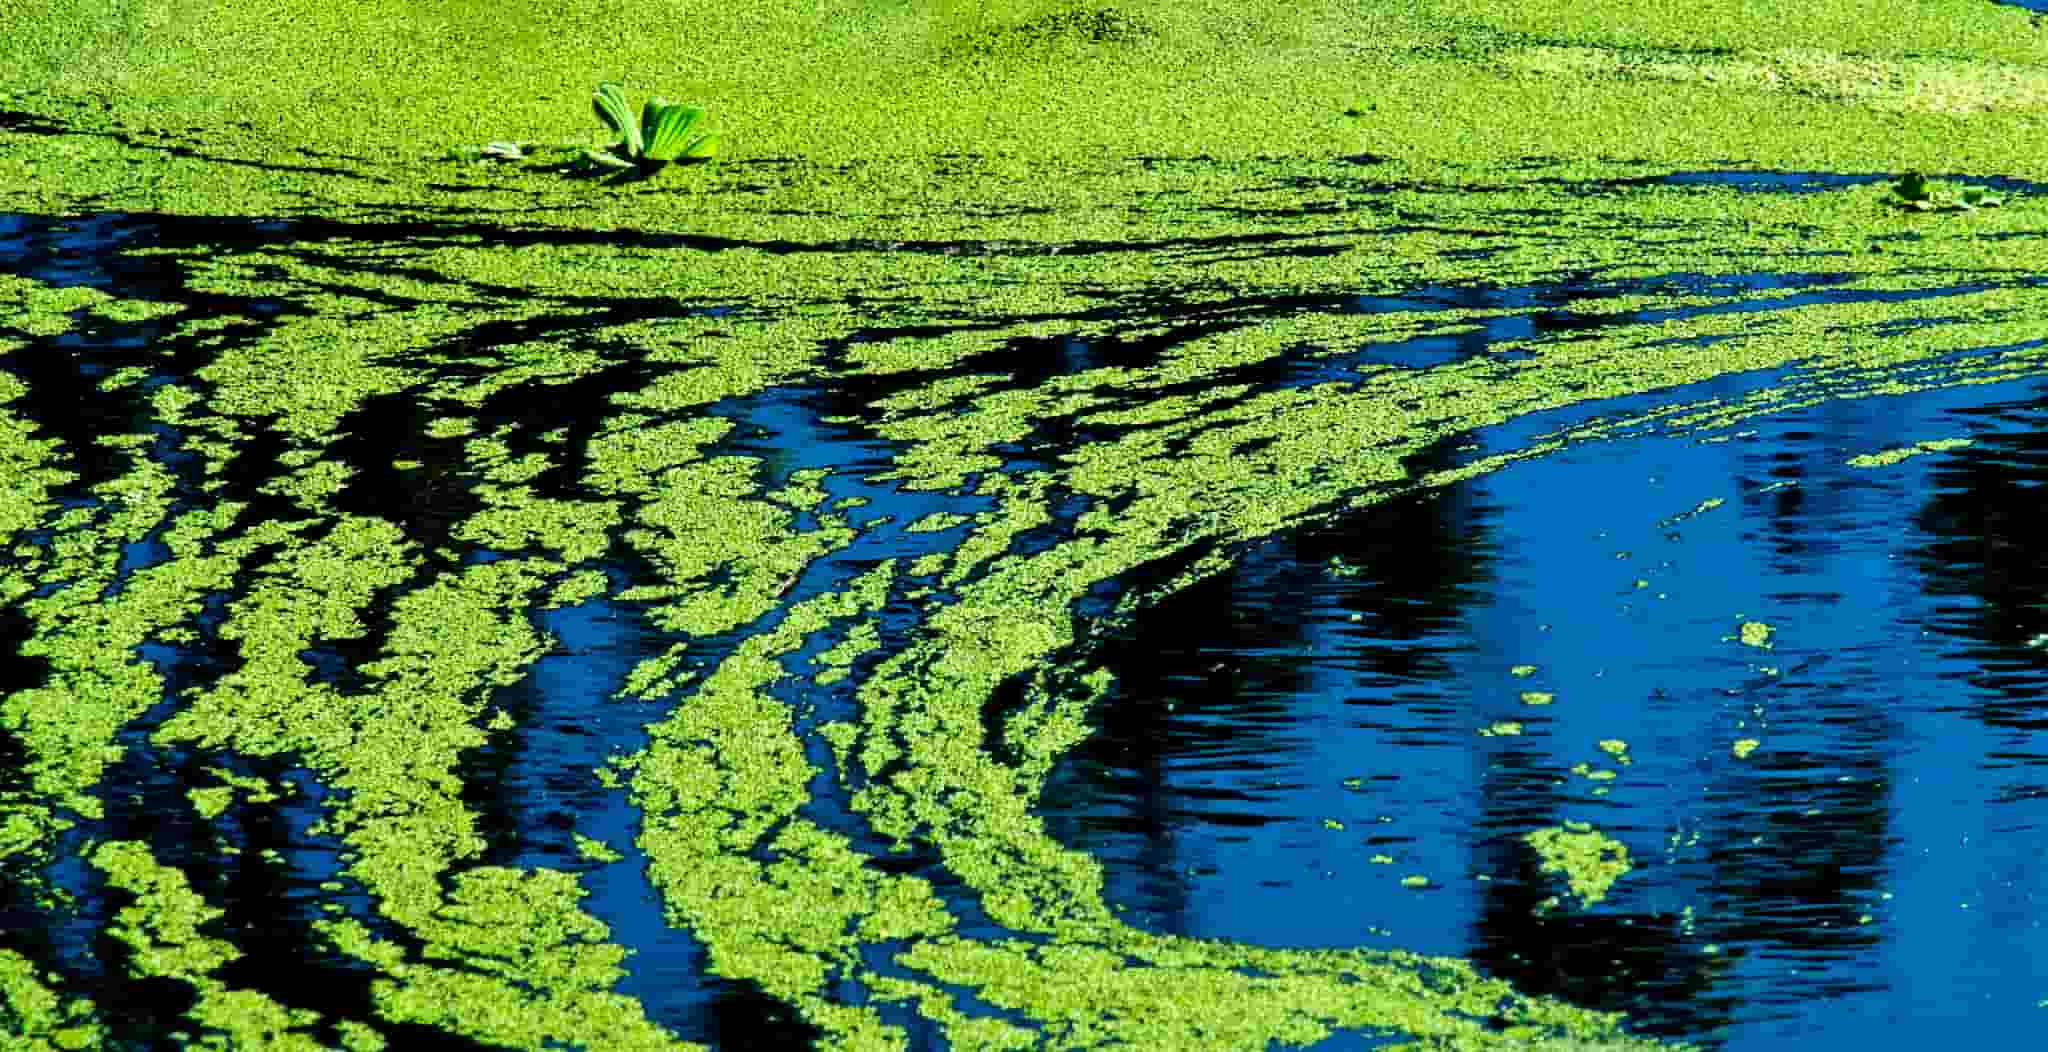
{"points": [[669, 136], [1977, 197], [704, 149], [1912, 188], [606, 159], [610, 103], [650, 116]]}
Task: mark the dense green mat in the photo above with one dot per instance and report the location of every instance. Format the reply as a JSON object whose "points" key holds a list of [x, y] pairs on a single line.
{"points": [[907, 193]]}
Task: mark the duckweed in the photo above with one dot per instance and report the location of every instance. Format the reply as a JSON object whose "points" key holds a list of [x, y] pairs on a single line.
{"points": [[1590, 861], [374, 420]]}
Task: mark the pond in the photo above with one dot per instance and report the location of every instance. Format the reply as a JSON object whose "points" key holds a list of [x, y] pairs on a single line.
{"points": [[1271, 566]]}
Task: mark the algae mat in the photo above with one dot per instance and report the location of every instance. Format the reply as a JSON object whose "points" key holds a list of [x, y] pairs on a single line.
{"points": [[441, 594]]}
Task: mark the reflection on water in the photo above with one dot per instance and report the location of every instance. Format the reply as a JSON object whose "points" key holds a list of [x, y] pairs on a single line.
{"points": [[1291, 741]]}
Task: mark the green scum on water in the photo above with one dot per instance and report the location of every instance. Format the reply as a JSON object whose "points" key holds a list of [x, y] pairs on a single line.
{"points": [[364, 368]]}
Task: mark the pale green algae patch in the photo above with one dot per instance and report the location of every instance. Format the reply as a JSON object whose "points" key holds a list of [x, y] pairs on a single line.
{"points": [[1888, 457], [35, 1018], [1252, 191], [163, 930], [1589, 860]]}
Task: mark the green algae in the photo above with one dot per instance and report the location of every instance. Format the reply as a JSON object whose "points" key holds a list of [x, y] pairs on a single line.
{"points": [[937, 522], [863, 638], [576, 588], [907, 57], [36, 1018], [510, 959], [163, 931], [390, 750], [95, 685], [1888, 457], [596, 849], [1590, 861], [26, 462], [998, 247]]}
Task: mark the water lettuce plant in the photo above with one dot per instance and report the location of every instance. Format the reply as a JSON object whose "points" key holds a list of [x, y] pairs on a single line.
{"points": [[664, 134], [1914, 191]]}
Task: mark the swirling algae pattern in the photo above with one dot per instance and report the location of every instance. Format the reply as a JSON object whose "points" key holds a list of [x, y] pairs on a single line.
{"points": [[289, 501]]}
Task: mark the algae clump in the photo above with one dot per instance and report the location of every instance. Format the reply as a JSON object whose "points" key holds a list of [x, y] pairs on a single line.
{"points": [[1590, 861]]}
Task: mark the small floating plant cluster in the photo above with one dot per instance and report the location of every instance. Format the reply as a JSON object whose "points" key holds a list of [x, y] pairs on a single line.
{"points": [[667, 133], [663, 136], [1917, 192]]}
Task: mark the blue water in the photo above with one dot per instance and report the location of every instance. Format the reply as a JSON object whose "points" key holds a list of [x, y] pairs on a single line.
{"points": [[1869, 874]]}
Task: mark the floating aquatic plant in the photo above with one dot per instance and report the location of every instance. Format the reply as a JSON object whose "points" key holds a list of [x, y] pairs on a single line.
{"points": [[665, 134], [1916, 192], [490, 151]]}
